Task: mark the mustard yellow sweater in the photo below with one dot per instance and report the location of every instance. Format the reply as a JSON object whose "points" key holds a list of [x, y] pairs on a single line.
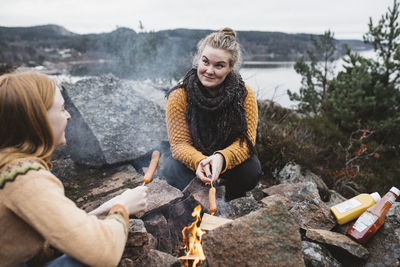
{"points": [[34, 211], [179, 136]]}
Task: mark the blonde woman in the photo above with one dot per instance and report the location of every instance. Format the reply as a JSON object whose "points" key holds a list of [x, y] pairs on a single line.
{"points": [[212, 120]]}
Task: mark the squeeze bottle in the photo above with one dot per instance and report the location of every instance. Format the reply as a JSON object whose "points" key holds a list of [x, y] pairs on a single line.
{"points": [[373, 218], [354, 207]]}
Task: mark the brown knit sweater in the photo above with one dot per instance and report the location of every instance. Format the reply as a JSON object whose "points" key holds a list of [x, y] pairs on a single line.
{"points": [[34, 211], [179, 135]]}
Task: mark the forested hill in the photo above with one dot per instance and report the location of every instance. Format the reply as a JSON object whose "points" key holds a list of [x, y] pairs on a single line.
{"points": [[133, 52]]}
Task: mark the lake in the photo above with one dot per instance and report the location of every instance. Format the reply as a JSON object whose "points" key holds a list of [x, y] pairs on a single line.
{"points": [[274, 79]]}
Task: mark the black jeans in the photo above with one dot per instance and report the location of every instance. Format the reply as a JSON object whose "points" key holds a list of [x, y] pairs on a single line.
{"points": [[237, 181]]}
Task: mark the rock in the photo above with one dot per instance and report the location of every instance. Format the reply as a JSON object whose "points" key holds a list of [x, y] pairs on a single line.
{"points": [[335, 198], [199, 191], [160, 194], [307, 208], [157, 225], [238, 207], [126, 176], [271, 200], [384, 246], [315, 255], [291, 173], [266, 237], [111, 123], [157, 258], [137, 236], [338, 240], [108, 187], [147, 90], [153, 242], [137, 245], [312, 213], [257, 192], [292, 191], [126, 263]]}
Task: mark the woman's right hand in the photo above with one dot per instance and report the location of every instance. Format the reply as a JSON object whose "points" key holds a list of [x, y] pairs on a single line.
{"points": [[134, 200], [210, 168]]}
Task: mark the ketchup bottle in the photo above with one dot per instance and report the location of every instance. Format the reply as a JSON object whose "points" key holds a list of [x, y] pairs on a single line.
{"points": [[372, 219]]}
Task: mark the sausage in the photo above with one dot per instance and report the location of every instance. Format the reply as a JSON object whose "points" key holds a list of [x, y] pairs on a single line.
{"points": [[212, 200], [155, 157]]}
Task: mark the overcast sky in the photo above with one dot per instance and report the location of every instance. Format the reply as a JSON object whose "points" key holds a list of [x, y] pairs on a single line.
{"points": [[348, 19]]}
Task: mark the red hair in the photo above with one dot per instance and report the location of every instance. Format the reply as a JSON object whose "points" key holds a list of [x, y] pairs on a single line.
{"points": [[25, 130]]}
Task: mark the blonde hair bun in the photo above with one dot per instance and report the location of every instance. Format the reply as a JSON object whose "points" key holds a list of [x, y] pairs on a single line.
{"points": [[228, 31]]}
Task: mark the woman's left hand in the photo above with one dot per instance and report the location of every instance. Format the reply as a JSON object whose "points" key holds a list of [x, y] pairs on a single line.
{"points": [[210, 168]]}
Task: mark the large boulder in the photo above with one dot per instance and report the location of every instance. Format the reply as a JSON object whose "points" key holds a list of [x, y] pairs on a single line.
{"points": [[266, 237], [292, 173], [306, 206], [111, 122]]}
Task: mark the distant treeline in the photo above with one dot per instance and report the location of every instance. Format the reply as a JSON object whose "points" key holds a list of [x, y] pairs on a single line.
{"points": [[126, 53]]}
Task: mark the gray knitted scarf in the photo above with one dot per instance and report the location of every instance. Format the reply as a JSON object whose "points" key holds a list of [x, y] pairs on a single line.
{"points": [[216, 122]]}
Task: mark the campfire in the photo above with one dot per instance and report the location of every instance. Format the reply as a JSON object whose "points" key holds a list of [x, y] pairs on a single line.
{"points": [[192, 240]]}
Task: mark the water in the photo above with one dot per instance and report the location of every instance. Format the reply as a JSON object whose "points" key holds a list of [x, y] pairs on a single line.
{"points": [[273, 81]]}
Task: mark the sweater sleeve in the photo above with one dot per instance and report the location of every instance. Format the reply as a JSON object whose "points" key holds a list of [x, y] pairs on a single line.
{"points": [[37, 197], [236, 153], [182, 148]]}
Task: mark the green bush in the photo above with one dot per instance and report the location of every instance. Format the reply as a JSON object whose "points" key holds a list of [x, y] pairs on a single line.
{"points": [[284, 136]]}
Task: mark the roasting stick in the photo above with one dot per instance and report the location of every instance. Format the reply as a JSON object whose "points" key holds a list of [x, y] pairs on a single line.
{"points": [[155, 157], [212, 200]]}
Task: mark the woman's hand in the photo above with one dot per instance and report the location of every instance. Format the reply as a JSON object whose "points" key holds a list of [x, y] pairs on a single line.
{"points": [[210, 168], [134, 200]]}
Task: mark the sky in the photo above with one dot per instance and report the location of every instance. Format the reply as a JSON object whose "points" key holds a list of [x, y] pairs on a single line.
{"points": [[348, 19]]}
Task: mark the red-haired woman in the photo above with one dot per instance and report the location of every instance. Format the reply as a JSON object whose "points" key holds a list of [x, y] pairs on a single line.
{"points": [[34, 212]]}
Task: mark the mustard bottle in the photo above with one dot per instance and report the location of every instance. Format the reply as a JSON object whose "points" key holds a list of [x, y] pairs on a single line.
{"points": [[354, 207]]}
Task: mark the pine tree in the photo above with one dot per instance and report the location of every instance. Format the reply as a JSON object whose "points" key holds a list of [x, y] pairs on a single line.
{"points": [[316, 75], [366, 94]]}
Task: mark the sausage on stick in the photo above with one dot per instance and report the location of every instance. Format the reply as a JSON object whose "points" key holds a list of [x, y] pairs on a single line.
{"points": [[212, 200], [155, 157]]}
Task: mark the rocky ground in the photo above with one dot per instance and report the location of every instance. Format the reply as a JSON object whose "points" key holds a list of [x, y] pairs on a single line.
{"points": [[287, 224]]}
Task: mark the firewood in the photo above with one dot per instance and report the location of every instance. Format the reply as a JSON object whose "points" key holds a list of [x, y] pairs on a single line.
{"points": [[209, 222]]}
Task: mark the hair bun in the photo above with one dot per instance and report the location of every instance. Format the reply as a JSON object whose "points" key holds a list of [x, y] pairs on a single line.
{"points": [[228, 31]]}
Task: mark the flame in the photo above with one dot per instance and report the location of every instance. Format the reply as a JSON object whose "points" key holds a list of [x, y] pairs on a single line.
{"points": [[192, 239]]}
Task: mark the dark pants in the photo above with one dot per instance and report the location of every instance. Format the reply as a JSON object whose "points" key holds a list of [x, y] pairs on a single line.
{"points": [[237, 181], [65, 261], [62, 261]]}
